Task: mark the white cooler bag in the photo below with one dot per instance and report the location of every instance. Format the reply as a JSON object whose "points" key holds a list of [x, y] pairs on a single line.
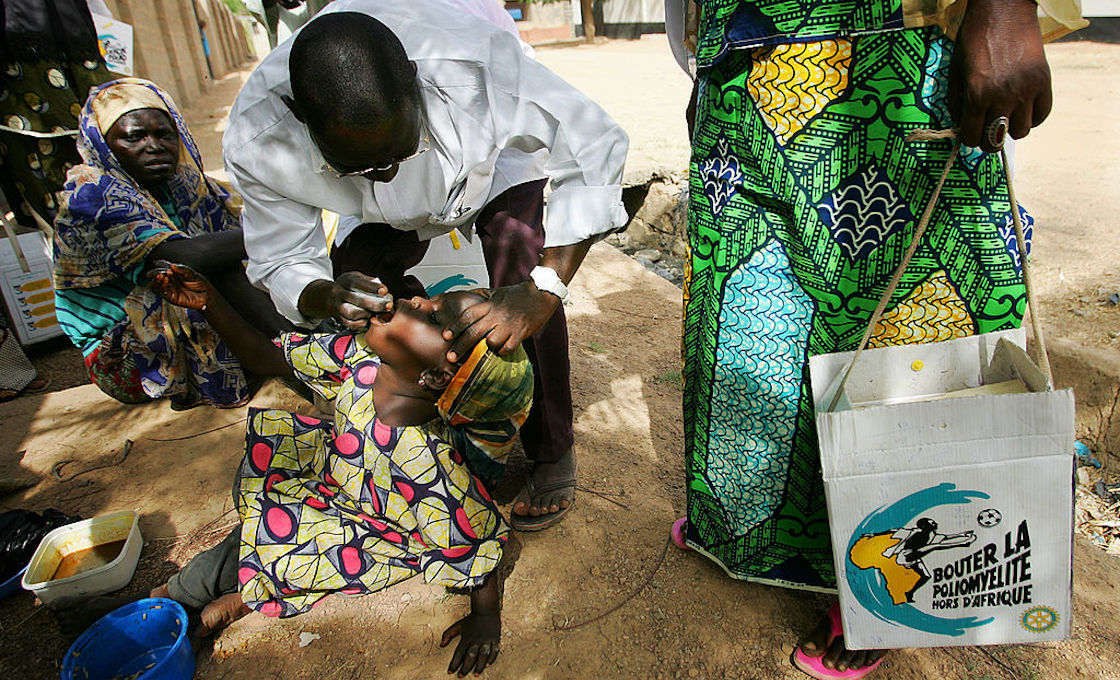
{"points": [[948, 473]]}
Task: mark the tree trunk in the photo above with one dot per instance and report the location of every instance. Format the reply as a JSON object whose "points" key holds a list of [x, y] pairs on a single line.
{"points": [[588, 20]]}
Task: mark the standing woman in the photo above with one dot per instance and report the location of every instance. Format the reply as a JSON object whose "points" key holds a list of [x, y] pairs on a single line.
{"points": [[140, 196], [804, 195], [49, 60]]}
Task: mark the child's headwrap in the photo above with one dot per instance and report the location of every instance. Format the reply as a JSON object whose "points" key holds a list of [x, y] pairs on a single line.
{"points": [[486, 403]]}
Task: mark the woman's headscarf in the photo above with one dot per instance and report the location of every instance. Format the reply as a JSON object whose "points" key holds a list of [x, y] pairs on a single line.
{"points": [[108, 223], [113, 102], [486, 404]]}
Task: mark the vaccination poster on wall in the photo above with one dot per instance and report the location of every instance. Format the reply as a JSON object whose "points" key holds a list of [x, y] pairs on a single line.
{"points": [[114, 38]]}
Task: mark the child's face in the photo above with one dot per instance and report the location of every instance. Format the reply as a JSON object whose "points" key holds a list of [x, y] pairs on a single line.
{"points": [[413, 336]]}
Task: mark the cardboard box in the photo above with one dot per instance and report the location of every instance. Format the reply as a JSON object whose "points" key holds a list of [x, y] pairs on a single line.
{"points": [[29, 296], [452, 263], [948, 471]]}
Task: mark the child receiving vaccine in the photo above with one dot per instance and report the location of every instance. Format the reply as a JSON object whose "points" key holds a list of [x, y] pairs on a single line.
{"points": [[383, 492]]}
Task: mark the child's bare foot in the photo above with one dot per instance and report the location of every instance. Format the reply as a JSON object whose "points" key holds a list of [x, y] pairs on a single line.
{"points": [[215, 616], [822, 654], [221, 613], [161, 591]]}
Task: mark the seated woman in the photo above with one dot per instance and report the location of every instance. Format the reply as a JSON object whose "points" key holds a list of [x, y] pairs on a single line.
{"points": [[386, 491], [140, 195]]}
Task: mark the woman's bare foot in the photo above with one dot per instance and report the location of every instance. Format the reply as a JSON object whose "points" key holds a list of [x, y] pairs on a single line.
{"points": [[825, 645], [161, 591]]}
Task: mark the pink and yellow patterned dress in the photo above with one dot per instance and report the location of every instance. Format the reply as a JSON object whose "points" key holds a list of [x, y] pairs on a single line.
{"points": [[354, 506]]}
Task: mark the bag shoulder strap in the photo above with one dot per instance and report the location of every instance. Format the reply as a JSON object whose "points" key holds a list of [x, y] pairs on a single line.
{"points": [[927, 214]]}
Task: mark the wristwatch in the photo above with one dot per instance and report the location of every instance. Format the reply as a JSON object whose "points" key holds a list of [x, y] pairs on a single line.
{"points": [[546, 279]]}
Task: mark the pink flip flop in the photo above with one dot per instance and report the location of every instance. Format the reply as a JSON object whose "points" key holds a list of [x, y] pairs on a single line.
{"points": [[813, 666], [677, 532]]}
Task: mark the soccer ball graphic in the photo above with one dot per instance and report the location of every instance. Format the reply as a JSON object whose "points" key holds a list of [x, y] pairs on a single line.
{"points": [[989, 517]]}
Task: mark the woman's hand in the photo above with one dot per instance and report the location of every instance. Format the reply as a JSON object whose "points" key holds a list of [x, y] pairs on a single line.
{"points": [[998, 69], [180, 285], [481, 635]]}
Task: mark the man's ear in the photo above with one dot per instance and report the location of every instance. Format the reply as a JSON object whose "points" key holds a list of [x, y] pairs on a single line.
{"points": [[294, 108], [437, 379]]}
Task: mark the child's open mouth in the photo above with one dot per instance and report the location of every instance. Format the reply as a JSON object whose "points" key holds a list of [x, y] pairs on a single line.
{"points": [[384, 317]]}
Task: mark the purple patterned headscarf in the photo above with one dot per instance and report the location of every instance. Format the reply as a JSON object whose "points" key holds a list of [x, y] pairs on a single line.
{"points": [[108, 223]]}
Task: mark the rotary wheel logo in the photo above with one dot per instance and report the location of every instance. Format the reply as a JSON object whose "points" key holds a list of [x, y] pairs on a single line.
{"points": [[1039, 619]]}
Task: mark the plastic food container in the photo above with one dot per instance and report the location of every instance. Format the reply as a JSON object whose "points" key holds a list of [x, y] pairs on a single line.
{"points": [[86, 535], [143, 640]]}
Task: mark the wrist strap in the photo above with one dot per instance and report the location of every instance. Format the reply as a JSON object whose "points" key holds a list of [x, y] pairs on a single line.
{"points": [[546, 279]]}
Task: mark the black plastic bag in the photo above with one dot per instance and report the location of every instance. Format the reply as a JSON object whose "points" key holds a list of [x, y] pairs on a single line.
{"points": [[20, 533]]}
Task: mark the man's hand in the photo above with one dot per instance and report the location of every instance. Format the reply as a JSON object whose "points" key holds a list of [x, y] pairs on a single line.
{"points": [[998, 69], [512, 314], [351, 299], [515, 312]]}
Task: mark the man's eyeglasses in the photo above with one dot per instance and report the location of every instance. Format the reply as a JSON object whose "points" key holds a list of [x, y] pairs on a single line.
{"points": [[424, 145]]}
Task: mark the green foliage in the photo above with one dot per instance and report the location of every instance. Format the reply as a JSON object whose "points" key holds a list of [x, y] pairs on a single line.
{"points": [[236, 6]]}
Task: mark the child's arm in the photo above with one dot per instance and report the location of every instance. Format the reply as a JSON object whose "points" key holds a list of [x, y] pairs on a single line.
{"points": [[481, 630], [180, 285]]}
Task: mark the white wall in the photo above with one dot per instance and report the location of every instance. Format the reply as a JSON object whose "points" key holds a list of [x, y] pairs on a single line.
{"points": [[634, 11], [626, 12]]}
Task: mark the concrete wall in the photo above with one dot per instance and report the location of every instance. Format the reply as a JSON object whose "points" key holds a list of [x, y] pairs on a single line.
{"points": [[550, 13], [623, 18], [168, 42], [634, 12], [546, 22]]}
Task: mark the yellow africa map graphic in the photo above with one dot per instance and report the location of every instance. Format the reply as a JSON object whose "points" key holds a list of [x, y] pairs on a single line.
{"points": [[868, 553], [898, 555]]}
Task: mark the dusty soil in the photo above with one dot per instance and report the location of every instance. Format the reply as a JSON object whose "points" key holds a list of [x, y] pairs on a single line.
{"points": [[601, 595]]}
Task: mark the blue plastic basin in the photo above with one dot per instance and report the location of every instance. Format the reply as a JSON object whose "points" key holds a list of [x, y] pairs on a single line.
{"points": [[143, 640], [12, 585]]}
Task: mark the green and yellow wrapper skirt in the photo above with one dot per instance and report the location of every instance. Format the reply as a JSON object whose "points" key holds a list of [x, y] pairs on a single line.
{"points": [[804, 195]]}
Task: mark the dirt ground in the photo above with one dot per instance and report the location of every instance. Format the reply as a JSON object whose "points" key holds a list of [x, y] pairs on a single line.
{"points": [[601, 595]]}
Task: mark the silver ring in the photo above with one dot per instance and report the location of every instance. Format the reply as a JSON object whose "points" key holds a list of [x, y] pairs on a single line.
{"points": [[996, 132]]}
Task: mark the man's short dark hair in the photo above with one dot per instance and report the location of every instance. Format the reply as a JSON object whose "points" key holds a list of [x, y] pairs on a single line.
{"points": [[349, 70]]}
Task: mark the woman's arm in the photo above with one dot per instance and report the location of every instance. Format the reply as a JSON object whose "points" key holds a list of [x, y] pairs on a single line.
{"points": [[208, 254]]}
